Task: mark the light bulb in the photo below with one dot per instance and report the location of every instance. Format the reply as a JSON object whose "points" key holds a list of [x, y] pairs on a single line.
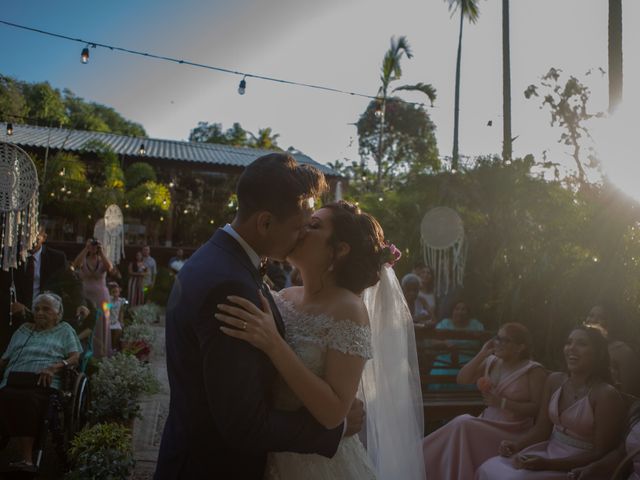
{"points": [[9, 128], [141, 150], [84, 56], [242, 87], [148, 197]]}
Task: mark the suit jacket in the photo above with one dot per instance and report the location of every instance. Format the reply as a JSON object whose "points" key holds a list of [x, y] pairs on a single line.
{"points": [[221, 423]]}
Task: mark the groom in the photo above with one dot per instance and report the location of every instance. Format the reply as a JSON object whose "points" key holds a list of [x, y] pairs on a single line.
{"points": [[221, 423]]}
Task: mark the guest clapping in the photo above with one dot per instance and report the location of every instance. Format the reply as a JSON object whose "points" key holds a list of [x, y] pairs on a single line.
{"points": [[579, 421]]}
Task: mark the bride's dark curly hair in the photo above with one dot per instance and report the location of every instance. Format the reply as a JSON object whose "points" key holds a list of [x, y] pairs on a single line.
{"points": [[360, 268]]}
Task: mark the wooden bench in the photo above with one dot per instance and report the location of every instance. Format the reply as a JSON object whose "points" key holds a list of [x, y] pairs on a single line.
{"points": [[440, 406]]}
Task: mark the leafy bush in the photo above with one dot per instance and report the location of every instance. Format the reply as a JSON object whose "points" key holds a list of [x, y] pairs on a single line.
{"points": [[117, 386], [139, 331], [145, 314], [102, 452]]}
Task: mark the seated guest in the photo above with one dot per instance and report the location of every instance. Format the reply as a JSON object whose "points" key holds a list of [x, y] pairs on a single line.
{"points": [[427, 287], [579, 421], [32, 363], [512, 386], [624, 360], [417, 305], [461, 351], [604, 467]]}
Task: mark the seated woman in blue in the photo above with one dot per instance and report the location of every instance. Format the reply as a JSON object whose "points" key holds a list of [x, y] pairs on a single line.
{"points": [[464, 350], [38, 352]]}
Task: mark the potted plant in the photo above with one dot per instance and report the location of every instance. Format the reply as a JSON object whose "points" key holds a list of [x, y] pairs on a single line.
{"points": [[117, 387], [101, 452]]}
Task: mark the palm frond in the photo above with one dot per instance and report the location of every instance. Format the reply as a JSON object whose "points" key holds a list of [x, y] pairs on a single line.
{"points": [[470, 8], [426, 88]]}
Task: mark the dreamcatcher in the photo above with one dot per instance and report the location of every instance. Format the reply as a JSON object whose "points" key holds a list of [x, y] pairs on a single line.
{"points": [[18, 205], [443, 247], [113, 234]]}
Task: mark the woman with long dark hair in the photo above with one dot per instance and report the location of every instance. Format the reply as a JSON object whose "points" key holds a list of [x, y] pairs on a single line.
{"points": [[579, 421]]}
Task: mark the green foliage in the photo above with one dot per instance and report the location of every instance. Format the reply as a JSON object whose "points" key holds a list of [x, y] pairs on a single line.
{"points": [[66, 184], [164, 283], [469, 9], [139, 172], [149, 197], [102, 452], [568, 105], [236, 135], [539, 253], [39, 103], [117, 387]]}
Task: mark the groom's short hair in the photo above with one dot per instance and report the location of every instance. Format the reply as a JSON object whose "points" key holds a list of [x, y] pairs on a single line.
{"points": [[279, 184]]}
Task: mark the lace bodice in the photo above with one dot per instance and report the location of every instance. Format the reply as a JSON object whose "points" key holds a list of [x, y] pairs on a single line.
{"points": [[310, 336]]}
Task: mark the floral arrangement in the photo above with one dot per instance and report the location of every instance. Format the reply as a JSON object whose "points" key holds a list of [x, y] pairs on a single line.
{"points": [[390, 254], [147, 313], [139, 331], [138, 348], [117, 386], [101, 452]]}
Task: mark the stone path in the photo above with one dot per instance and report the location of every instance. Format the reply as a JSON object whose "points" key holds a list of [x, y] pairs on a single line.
{"points": [[147, 431]]}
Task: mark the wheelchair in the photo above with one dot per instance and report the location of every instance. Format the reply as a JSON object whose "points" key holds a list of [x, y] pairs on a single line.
{"points": [[65, 416]]}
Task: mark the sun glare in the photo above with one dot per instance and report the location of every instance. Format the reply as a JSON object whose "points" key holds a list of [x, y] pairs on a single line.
{"points": [[616, 141]]}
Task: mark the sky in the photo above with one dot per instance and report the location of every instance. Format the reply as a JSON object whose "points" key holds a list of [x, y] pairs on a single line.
{"points": [[339, 44]]}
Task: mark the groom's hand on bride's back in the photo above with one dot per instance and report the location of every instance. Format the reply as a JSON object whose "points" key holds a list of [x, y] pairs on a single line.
{"points": [[355, 418]]}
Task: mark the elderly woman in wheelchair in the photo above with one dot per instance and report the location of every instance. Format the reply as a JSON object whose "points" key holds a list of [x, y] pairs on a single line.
{"points": [[32, 366]]}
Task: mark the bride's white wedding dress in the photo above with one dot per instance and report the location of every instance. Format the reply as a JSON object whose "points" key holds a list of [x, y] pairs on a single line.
{"points": [[310, 336]]}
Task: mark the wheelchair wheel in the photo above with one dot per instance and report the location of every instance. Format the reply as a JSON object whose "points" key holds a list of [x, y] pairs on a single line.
{"points": [[77, 407]]}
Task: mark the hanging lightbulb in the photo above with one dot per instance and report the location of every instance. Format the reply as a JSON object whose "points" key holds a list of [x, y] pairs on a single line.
{"points": [[211, 221], [148, 197], [68, 192], [243, 86], [84, 56], [164, 202], [171, 184], [185, 211], [9, 129], [90, 189], [126, 205], [61, 173], [162, 219], [141, 150]]}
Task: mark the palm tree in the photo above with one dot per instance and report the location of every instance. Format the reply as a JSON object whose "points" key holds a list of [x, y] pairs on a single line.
{"points": [[390, 71], [469, 10], [615, 54], [506, 84]]}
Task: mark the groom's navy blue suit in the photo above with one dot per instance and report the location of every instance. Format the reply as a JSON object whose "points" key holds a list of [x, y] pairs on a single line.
{"points": [[221, 423]]}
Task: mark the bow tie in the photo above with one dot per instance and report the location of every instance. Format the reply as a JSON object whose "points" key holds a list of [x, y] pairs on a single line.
{"points": [[262, 270]]}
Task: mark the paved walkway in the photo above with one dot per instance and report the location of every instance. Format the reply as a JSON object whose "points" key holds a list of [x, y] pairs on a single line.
{"points": [[147, 431]]}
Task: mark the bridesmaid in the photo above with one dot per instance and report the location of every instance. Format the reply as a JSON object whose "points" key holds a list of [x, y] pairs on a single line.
{"points": [[579, 421], [512, 386]]}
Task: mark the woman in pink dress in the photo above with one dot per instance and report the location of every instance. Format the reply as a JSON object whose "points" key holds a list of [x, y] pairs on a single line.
{"points": [[579, 421], [512, 387], [605, 467], [92, 266]]}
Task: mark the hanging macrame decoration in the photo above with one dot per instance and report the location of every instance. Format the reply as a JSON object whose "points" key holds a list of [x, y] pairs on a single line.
{"points": [[18, 205], [113, 234], [443, 247]]}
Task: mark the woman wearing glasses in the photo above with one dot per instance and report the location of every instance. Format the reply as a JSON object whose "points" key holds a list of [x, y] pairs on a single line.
{"points": [[511, 384]]}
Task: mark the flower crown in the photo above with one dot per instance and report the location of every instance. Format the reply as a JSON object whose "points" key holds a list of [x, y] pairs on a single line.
{"points": [[390, 254]]}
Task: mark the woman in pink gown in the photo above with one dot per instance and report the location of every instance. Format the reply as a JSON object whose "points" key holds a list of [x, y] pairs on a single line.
{"points": [[92, 266], [512, 386], [579, 421], [604, 468]]}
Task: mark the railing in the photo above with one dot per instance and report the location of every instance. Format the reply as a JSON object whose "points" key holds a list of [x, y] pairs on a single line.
{"points": [[444, 403]]}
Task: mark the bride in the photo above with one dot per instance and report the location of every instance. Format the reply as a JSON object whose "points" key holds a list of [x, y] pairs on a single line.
{"points": [[350, 310]]}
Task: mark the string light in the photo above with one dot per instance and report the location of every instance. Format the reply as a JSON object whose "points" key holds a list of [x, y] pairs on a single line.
{"points": [[148, 197], [171, 184], [9, 129], [195, 64], [141, 150], [84, 56], [61, 173], [243, 86], [126, 205]]}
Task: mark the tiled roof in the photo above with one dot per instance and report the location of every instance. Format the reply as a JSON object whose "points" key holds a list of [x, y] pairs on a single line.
{"points": [[78, 140]]}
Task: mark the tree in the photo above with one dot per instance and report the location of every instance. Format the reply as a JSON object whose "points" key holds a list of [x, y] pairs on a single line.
{"points": [[265, 139], [507, 148], [469, 10], [12, 103], [390, 71], [236, 135], [45, 104], [615, 54]]}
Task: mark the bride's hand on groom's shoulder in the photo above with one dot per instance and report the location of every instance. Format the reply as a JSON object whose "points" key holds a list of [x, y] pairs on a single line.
{"points": [[251, 324]]}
